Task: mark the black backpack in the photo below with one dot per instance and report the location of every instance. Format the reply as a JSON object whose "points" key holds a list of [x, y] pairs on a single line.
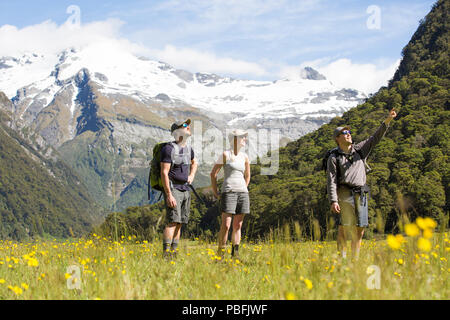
{"points": [[327, 156]]}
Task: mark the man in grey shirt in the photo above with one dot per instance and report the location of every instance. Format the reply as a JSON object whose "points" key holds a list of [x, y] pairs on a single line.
{"points": [[346, 184]]}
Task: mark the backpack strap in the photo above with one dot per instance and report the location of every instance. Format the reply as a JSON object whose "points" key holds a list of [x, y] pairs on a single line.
{"points": [[197, 195], [186, 156], [368, 169], [338, 156]]}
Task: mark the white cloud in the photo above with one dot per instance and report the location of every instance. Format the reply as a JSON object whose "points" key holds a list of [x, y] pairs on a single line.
{"points": [[48, 37], [365, 77], [194, 60]]}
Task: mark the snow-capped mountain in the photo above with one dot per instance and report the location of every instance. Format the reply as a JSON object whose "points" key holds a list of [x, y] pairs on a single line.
{"points": [[33, 80], [104, 97]]}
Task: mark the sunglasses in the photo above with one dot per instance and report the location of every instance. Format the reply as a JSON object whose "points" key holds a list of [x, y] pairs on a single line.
{"points": [[184, 125], [346, 132]]}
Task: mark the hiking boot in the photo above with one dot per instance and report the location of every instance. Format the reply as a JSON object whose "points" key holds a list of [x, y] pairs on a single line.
{"points": [[235, 251], [167, 255], [221, 252]]}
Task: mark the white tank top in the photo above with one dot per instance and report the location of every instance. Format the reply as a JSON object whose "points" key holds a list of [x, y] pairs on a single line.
{"points": [[234, 169]]}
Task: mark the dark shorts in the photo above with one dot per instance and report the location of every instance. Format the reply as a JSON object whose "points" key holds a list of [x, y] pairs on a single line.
{"points": [[354, 208], [235, 203], [179, 214]]}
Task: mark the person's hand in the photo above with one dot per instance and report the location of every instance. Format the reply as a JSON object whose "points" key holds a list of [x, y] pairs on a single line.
{"points": [[335, 207], [216, 194], [171, 202], [392, 115], [190, 179]]}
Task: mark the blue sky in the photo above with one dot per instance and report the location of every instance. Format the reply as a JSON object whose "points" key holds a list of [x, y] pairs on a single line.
{"points": [[267, 39]]}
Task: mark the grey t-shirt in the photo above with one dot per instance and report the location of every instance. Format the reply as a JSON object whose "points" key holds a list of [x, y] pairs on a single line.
{"points": [[352, 171]]}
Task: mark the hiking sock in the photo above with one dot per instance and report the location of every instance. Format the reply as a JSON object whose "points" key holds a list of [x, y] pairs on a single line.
{"points": [[173, 248], [166, 247], [235, 250]]}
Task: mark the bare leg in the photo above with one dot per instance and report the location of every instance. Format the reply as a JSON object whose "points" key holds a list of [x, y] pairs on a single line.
{"points": [[172, 231], [237, 226], [356, 241], [224, 229], [236, 234], [177, 232], [342, 241]]}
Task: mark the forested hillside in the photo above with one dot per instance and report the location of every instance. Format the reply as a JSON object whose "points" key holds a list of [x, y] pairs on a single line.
{"points": [[39, 197], [410, 168]]}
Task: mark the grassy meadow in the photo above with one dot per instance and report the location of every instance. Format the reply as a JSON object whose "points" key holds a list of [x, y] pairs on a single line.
{"points": [[409, 266]]}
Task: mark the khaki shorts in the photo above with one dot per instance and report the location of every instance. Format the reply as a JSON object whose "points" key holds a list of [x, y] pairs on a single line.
{"points": [[352, 214], [179, 214], [235, 203]]}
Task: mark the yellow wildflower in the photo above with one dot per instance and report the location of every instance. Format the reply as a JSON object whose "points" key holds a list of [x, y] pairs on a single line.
{"points": [[33, 262], [412, 230], [425, 223], [18, 291], [290, 296], [427, 233], [424, 244], [395, 242], [430, 223], [308, 284]]}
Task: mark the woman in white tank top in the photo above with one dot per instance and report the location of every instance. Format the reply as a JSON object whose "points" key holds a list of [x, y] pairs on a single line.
{"points": [[234, 198]]}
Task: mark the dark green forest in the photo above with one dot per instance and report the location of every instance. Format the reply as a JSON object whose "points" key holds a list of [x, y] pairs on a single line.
{"points": [[39, 197], [410, 168]]}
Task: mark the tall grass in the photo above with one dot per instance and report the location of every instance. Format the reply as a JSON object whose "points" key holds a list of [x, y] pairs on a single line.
{"points": [[273, 268]]}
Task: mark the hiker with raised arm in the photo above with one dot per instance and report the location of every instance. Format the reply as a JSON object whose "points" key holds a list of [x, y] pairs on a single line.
{"points": [[234, 197], [346, 184], [178, 168]]}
